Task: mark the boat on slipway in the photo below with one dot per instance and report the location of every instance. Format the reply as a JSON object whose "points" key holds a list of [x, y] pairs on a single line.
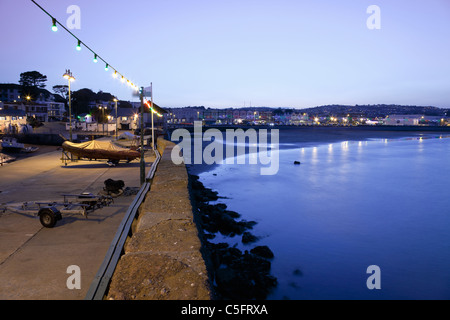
{"points": [[99, 150], [10, 144], [4, 158]]}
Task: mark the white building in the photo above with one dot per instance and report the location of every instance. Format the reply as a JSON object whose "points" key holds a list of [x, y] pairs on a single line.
{"points": [[56, 111], [44, 106], [402, 120], [127, 118], [185, 115], [12, 121]]}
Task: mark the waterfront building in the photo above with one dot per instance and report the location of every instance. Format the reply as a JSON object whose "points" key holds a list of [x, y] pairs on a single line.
{"points": [[187, 115], [39, 111], [296, 118], [12, 120], [403, 120], [127, 118], [10, 92], [433, 121], [224, 116], [44, 106], [56, 111]]}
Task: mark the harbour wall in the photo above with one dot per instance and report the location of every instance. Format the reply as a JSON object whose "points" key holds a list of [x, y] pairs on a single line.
{"points": [[162, 259]]}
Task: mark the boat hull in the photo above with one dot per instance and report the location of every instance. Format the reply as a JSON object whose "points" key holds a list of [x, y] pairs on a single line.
{"points": [[100, 151], [7, 148], [11, 145]]}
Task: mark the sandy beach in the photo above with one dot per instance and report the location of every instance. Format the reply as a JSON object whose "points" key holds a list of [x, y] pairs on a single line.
{"points": [[310, 136]]}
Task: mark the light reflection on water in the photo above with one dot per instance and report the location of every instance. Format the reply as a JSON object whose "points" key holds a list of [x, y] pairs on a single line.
{"points": [[350, 205]]}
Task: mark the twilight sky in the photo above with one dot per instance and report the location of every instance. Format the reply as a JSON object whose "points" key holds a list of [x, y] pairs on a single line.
{"points": [[217, 53]]}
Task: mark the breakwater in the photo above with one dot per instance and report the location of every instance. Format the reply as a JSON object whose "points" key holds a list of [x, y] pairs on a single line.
{"points": [[162, 260], [169, 255]]}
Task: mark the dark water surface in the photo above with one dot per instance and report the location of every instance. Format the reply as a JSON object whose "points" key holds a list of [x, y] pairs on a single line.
{"points": [[352, 203]]}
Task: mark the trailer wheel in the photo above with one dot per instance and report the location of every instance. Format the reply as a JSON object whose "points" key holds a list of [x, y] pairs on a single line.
{"points": [[48, 217], [112, 163]]}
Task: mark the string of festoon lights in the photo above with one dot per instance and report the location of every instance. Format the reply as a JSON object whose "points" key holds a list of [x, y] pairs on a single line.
{"points": [[96, 57], [149, 104]]}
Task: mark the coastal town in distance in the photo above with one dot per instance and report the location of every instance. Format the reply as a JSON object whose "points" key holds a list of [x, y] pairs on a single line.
{"points": [[96, 111]]}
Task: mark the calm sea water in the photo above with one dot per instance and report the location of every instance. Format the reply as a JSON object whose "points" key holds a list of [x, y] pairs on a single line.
{"points": [[349, 205]]}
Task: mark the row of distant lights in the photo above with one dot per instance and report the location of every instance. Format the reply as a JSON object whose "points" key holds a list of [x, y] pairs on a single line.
{"points": [[107, 66]]}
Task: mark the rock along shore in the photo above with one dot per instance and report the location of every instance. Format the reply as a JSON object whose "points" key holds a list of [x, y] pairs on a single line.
{"points": [[235, 274]]}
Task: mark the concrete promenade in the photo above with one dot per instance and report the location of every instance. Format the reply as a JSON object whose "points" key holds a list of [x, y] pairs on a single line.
{"points": [[34, 259], [163, 259]]}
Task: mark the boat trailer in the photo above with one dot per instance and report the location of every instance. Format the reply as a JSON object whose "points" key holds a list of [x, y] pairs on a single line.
{"points": [[49, 212]]}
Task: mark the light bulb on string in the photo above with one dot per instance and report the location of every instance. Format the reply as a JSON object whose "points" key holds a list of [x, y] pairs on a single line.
{"points": [[54, 27]]}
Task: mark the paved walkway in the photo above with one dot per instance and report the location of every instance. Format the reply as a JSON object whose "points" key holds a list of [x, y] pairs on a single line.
{"points": [[34, 260]]}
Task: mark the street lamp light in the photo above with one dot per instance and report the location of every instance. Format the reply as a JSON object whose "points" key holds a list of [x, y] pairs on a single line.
{"points": [[68, 75], [28, 98]]}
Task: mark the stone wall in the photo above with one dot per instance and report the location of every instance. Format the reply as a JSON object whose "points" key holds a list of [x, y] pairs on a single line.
{"points": [[162, 259]]}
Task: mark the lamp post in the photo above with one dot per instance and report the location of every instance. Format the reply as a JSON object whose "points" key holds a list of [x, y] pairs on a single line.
{"points": [[142, 164], [28, 103], [68, 75], [115, 100], [103, 119], [151, 103]]}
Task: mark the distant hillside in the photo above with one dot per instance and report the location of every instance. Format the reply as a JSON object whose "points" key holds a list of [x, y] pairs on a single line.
{"points": [[379, 110]]}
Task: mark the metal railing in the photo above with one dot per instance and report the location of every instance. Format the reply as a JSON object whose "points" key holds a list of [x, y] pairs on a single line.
{"points": [[100, 284]]}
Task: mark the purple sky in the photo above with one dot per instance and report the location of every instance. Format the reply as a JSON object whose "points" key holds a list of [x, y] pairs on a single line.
{"points": [[283, 53]]}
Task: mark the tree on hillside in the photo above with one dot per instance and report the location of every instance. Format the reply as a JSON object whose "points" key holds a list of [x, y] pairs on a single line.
{"points": [[32, 82], [104, 96], [124, 104], [277, 112], [33, 79], [101, 115], [81, 100], [62, 90]]}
